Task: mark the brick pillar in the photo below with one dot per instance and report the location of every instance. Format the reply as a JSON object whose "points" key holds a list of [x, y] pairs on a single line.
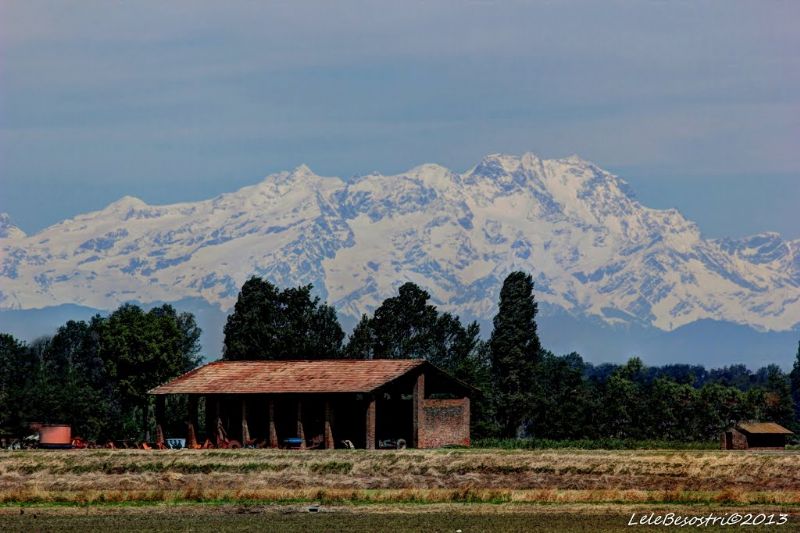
{"points": [[273, 432], [301, 434], [329, 444], [160, 412], [371, 423], [191, 435], [418, 414], [245, 428], [467, 420]]}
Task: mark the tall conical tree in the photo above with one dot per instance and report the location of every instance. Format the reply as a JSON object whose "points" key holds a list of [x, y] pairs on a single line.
{"points": [[515, 350]]}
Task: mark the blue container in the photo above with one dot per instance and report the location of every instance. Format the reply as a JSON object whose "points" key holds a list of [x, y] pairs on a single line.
{"points": [[176, 444]]}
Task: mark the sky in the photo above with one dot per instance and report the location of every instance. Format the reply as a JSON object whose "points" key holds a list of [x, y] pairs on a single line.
{"points": [[695, 103]]}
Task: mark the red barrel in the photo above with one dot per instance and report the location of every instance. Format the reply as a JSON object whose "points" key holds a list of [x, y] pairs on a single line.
{"points": [[55, 436]]}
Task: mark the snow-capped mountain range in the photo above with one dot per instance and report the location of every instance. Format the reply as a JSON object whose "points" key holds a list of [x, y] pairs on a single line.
{"points": [[593, 249]]}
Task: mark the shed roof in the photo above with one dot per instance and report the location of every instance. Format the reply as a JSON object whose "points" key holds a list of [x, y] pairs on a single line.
{"points": [[306, 376], [763, 427]]}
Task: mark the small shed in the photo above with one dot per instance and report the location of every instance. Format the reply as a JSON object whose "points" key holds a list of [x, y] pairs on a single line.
{"points": [[755, 436], [323, 403]]}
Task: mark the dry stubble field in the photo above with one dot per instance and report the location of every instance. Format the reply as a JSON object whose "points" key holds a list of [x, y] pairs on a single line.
{"points": [[503, 490]]}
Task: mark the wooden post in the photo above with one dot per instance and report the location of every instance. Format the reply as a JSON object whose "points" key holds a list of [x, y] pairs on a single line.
{"points": [[245, 429], [160, 412], [191, 435], [418, 414], [371, 423], [329, 443], [273, 432], [467, 420], [300, 432]]}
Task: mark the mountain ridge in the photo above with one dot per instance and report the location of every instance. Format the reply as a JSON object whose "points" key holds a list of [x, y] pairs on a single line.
{"points": [[593, 248]]}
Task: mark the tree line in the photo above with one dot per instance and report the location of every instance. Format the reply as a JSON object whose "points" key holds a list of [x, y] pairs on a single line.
{"points": [[524, 390], [95, 375]]}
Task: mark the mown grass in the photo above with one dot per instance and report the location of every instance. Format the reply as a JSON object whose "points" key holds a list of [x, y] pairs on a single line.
{"points": [[691, 477], [111, 468], [213, 495]]}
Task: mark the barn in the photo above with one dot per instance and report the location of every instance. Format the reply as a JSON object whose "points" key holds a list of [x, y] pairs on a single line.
{"points": [[755, 436], [326, 403]]}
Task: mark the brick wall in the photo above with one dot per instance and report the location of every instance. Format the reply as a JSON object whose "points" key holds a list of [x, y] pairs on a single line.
{"points": [[738, 440], [444, 422]]}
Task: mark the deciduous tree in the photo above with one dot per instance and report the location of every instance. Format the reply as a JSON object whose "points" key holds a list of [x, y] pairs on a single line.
{"points": [[268, 323]]}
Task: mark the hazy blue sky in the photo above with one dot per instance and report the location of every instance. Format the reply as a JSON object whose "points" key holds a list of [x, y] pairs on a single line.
{"points": [[696, 104]]}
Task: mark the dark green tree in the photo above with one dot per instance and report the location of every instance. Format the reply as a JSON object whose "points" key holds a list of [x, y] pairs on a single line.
{"points": [[794, 378], [738, 376], [362, 341], [141, 350], [268, 323], [72, 384], [407, 326], [18, 366], [455, 348], [670, 410], [402, 327], [718, 407], [515, 351], [624, 402], [565, 401], [778, 404]]}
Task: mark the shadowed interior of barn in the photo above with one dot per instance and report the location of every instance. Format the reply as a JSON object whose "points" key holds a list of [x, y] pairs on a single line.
{"points": [[320, 404]]}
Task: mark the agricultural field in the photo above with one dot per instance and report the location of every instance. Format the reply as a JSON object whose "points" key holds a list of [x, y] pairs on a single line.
{"points": [[409, 490]]}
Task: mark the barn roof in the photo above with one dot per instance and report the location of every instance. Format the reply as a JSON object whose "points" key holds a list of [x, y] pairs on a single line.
{"points": [[763, 427], [306, 376]]}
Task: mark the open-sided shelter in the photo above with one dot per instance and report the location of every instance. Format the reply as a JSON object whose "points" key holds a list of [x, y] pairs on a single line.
{"points": [[755, 435], [325, 402]]}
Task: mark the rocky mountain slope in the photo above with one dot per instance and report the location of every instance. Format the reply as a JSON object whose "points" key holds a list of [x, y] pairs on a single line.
{"points": [[594, 250]]}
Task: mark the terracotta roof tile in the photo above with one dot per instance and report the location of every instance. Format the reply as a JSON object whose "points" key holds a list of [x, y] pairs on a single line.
{"points": [[763, 427], [318, 376]]}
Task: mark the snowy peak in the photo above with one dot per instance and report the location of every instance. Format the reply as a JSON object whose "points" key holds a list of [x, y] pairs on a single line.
{"points": [[436, 176], [7, 228], [126, 205], [127, 202], [593, 249]]}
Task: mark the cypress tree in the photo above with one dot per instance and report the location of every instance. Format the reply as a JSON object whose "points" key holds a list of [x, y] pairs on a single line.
{"points": [[515, 350]]}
